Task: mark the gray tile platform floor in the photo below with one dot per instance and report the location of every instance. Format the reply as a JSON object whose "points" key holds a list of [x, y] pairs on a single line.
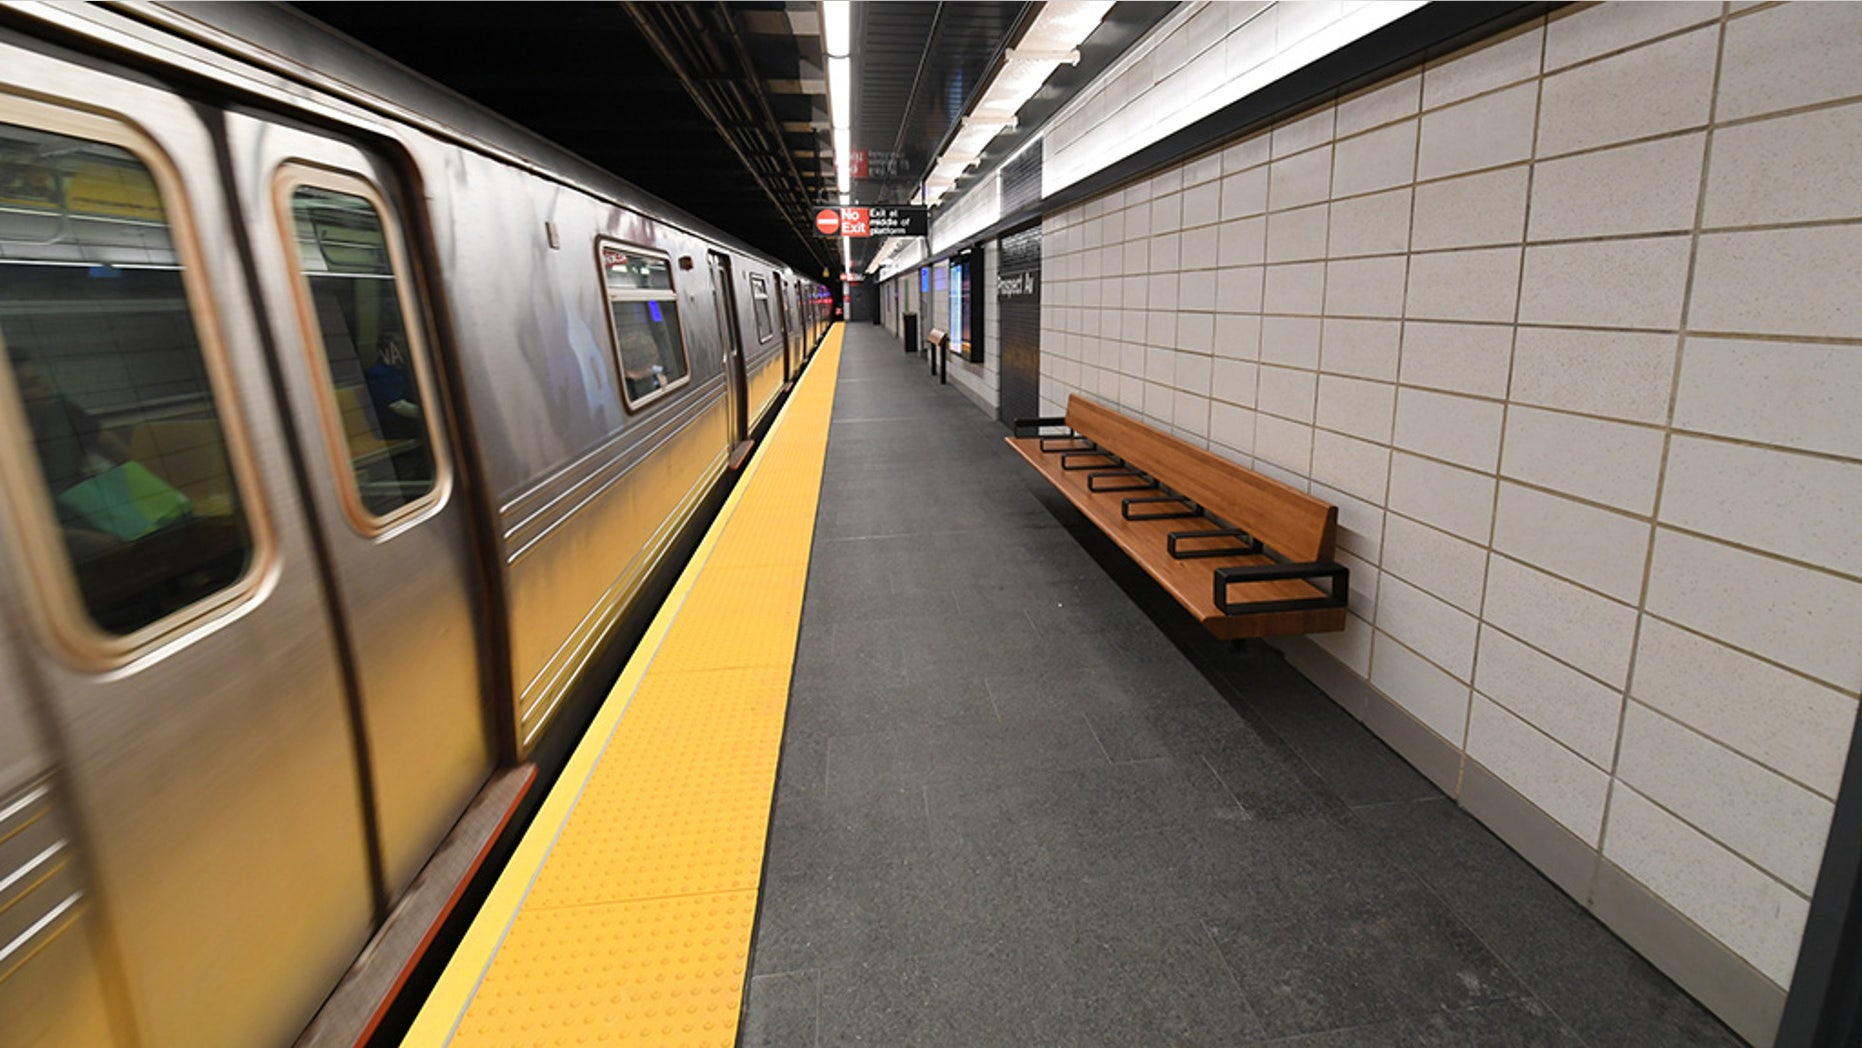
{"points": [[1024, 800]]}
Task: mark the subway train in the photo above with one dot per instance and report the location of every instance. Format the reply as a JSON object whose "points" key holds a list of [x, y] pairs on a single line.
{"points": [[347, 428]]}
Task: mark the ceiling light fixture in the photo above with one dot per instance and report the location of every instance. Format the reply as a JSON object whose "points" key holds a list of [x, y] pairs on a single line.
{"points": [[1051, 41], [837, 42]]}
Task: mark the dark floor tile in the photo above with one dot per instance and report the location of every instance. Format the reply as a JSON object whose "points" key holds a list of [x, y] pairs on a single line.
{"points": [[967, 752], [780, 1009], [1509, 1024], [1578, 967]]}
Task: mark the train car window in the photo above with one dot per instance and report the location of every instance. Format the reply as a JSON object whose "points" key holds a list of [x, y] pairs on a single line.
{"points": [[759, 307], [644, 314], [109, 382], [380, 401]]}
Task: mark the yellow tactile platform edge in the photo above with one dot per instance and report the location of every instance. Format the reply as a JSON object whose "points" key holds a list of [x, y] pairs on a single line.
{"points": [[625, 913]]}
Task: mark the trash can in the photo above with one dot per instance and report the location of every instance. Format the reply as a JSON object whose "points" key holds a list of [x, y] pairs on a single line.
{"points": [[911, 331]]}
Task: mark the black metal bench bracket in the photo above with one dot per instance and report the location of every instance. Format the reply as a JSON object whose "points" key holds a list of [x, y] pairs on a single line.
{"points": [[1135, 480], [1190, 508], [1243, 543], [1336, 574]]}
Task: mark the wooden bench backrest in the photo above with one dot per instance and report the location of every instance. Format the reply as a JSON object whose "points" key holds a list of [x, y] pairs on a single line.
{"points": [[1288, 520]]}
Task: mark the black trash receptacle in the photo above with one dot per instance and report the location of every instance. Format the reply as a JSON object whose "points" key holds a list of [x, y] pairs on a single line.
{"points": [[911, 331]]}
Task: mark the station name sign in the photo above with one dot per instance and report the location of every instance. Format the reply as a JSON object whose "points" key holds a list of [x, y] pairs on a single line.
{"points": [[887, 221]]}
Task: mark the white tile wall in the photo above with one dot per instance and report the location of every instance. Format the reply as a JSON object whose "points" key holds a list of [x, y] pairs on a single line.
{"points": [[1579, 711], [1566, 786], [1581, 373], [1774, 823], [1755, 914]]}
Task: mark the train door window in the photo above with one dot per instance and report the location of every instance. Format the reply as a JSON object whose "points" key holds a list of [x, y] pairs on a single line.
{"points": [[643, 312], [110, 377], [759, 308], [379, 397]]}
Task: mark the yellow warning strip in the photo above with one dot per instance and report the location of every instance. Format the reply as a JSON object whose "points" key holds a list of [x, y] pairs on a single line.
{"points": [[624, 915]]}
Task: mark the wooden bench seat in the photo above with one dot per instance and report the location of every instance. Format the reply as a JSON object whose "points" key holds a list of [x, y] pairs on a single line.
{"points": [[1243, 552]]}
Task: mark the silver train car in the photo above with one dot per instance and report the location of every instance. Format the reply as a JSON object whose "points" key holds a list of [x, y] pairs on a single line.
{"points": [[345, 426]]}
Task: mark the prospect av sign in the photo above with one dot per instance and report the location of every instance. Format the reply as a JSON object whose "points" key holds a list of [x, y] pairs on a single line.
{"points": [[889, 221]]}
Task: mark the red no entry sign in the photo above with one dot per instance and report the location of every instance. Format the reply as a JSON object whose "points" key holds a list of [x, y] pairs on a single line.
{"points": [[827, 221]]}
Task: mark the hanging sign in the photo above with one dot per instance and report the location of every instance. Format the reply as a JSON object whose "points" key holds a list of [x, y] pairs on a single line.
{"points": [[884, 221]]}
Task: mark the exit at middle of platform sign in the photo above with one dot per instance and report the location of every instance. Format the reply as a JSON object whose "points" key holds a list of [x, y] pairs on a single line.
{"points": [[888, 221]]}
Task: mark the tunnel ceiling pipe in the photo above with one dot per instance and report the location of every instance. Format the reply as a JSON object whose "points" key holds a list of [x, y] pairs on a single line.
{"points": [[703, 49]]}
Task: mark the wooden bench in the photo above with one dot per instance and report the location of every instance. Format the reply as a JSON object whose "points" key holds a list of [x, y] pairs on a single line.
{"points": [[1243, 552]]}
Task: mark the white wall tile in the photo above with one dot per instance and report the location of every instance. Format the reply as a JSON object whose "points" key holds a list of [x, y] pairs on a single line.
{"points": [[1360, 523], [1196, 331], [1297, 235], [1779, 282], [1161, 296], [1238, 337], [1648, 187], [1776, 824], [1200, 249], [1437, 700], [1460, 358], [1307, 131], [1375, 160], [1671, 83], [1297, 287], [1351, 645], [1609, 462], [1578, 33], [1464, 285], [1490, 131], [1798, 168], [1347, 463], [1193, 373], [1248, 153], [1365, 348], [1447, 426], [1284, 444], [1615, 283], [1365, 287], [1189, 415], [1794, 505], [1202, 205], [1290, 341], [1766, 65], [1300, 180], [1781, 720], [1492, 63], [1590, 632], [1558, 700], [1370, 225], [1456, 500], [1808, 618], [1242, 242], [1379, 105], [1619, 374], [1166, 214], [1789, 394], [1757, 916], [1449, 568], [1287, 392], [1232, 427], [1238, 289], [1359, 407], [1595, 547], [1561, 783], [1472, 210], [1244, 193]]}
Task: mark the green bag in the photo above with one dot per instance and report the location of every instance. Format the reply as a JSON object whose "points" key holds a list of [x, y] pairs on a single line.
{"points": [[126, 502]]}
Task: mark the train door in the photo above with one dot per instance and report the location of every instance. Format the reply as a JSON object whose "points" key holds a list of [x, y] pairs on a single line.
{"points": [[787, 327], [730, 336], [168, 609], [330, 241]]}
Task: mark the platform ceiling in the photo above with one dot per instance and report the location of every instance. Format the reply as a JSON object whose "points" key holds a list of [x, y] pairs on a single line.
{"points": [[721, 108]]}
